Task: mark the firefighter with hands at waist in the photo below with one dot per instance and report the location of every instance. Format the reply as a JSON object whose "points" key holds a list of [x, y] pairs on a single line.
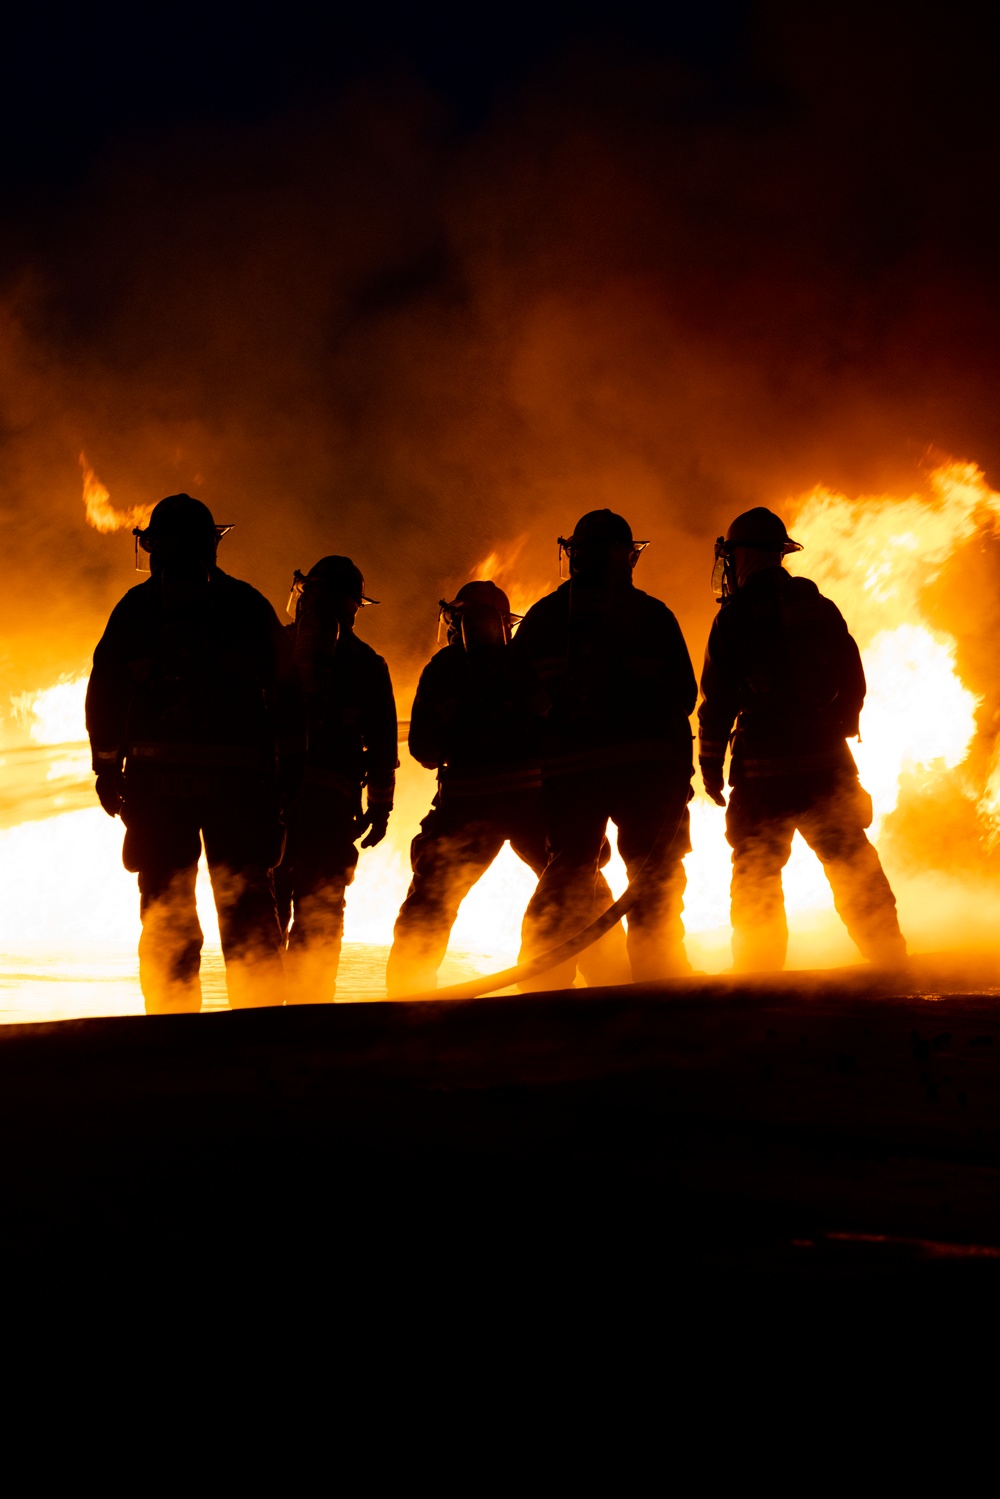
{"points": [[186, 708], [351, 751], [782, 667], [475, 721], [616, 744]]}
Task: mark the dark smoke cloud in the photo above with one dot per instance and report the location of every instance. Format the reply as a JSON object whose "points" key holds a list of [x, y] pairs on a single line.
{"points": [[355, 327]]}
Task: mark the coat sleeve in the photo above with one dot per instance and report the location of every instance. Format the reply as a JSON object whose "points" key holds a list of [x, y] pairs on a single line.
{"points": [[525, 642], [109, 694], [854, 688], [282, 690], [380, 733], [720, 688], [428, 723], [683, 683], [538, 652]]}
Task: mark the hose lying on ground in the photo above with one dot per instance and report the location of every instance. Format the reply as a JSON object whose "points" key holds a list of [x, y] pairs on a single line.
{"points": [[491, 982]]}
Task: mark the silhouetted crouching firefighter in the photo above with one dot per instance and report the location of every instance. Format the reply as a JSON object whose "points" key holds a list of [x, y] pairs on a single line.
{"points": [[184, 706], [782, 666], [475, 722], [351, 737], [616, 744]]}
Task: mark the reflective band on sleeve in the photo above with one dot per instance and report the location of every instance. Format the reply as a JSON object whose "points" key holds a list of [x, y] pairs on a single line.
{"points": [[712, 749]]}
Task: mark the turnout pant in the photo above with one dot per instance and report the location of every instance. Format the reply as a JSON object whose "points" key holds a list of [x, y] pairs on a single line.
{"points": [[639, 798], [166, 818], [457, 843], [832, 814], [311, 884]]}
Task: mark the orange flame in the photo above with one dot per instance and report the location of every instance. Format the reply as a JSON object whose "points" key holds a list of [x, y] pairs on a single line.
{"points": [[101, 514], [500, 567], [874, 556]]}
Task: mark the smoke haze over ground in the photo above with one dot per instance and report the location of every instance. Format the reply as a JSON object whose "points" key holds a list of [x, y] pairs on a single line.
{"points": [[419, 304]]}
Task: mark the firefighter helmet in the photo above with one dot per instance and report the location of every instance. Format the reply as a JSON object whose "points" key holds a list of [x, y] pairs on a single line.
{"points": [[761, 530], [598, 531], [478, 615], [333, 574], [179, 526]]}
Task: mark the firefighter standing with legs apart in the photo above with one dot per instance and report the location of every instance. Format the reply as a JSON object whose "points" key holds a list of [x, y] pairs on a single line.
{"points": [[782, 666], [616, 744], [475, 720], [351, 749], [185, 706]]}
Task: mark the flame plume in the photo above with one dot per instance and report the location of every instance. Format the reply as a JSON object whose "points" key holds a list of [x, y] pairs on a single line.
{"points": [[101, 514], [874, 557], [501, 567]]}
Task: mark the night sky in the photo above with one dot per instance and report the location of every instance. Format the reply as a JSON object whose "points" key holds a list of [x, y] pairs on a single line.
{"points": [[415, 282]]}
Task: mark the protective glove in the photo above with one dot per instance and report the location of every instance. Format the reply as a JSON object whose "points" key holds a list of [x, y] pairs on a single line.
{"points": [[110, 788], [711, 774], [373, 823]]}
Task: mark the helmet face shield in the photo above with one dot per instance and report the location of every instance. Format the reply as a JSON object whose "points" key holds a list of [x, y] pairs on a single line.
{"points": [[298, 586], [484, 627], [474, 625], [723, 580], [340, 583], [569, 547]]}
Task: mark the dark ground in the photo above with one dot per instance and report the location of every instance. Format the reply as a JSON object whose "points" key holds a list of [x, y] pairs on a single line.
{"points": [[844, 1131], [660, 1234]]}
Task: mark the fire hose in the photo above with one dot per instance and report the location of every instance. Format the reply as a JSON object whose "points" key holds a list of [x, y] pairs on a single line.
{"points": [[489, 983]]}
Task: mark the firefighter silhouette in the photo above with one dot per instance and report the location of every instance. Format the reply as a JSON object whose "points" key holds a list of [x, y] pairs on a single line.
{"points": [[782, 667], [616, 745], [351, 751], [184, 706], [475, 720]]}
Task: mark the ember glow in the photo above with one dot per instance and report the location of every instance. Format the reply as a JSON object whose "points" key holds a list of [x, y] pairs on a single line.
{"points": [[874, 556]]}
